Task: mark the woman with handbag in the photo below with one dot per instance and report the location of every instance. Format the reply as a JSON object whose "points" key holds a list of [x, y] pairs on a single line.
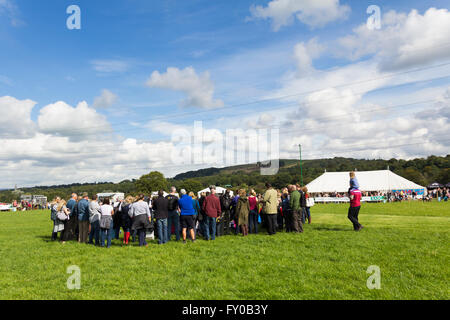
{"points": [[62, 218], [53, 210], [309, 204]]}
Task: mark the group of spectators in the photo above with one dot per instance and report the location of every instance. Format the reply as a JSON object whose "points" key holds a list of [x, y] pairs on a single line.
{"points": [[440, 194], [183, 215], [24, 205], [345, 194]]}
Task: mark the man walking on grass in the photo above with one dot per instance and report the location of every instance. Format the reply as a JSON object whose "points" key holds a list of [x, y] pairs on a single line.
{"points": [[355, 205]]}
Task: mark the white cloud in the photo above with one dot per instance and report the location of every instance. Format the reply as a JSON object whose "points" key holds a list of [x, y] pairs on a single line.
{"points": [[198, 88], [62, 119], [403, 41], [15, 117], [9, 9], [166, 128], [105, 100], [111, 65], [305, 53], [264, 120], [5, 80], [314, 13]]}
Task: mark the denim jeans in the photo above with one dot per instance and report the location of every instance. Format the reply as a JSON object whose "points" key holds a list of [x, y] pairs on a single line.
{"points": [[162, 231], [220, 227], [106, 233], [142, 234], [210, 228], [303, 214], [116, 232], [174, 219], [253, 221], [307, 213], [95, 233]]}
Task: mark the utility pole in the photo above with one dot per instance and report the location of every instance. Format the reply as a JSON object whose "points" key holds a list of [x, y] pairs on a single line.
{"points": [[301, 165]]}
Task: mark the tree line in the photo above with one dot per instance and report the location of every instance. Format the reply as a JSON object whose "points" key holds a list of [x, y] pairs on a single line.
{"points": [[422, 171]]}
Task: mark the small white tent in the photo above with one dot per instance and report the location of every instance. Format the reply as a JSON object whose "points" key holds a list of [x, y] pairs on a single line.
{"points": [[380, 180], [219, 190], [155, 194]]}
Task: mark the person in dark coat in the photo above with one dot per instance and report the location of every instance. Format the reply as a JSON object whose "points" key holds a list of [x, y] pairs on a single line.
{"points": [[161, 211], [225, 203], [125, 219], [117, 221], [71, 228]]}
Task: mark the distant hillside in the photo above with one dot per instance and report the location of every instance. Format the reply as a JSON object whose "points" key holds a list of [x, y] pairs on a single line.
{"points": [[253, 167]]}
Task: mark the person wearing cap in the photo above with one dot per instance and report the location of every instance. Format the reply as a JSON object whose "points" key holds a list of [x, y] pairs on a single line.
{"points": [[213, 210], [187, 213], [83, 218]]}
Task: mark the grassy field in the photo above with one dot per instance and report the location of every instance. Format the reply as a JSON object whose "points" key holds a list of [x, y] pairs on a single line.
{"points": [[408, 241]]}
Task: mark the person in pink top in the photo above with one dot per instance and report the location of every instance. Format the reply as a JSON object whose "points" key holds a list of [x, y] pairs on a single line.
{"points": [[253, 214], [355, 205]]}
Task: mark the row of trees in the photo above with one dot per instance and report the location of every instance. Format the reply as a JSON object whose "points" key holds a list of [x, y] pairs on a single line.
{"points": [[421, 171]]}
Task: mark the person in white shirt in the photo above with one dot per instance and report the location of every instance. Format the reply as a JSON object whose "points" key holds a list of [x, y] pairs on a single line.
{"points": [[106, 223], [140, 213]]}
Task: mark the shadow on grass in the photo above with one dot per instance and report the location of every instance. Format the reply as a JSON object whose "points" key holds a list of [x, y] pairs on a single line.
{"points": [[46, 238], [325, 228]]}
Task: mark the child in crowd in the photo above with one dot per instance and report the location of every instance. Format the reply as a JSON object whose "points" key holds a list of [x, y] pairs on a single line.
{"points": [[354, 184]]}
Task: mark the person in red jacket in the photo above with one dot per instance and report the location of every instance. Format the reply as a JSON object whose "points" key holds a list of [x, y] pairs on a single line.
{"points": [[355, 205], [211, 206]]}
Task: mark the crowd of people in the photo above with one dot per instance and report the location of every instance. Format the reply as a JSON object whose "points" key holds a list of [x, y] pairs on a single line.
{"points": [[440, 194], [183, 216], [25, 205], [88, 220]]}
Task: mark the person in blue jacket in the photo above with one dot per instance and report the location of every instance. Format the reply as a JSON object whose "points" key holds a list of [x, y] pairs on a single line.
{"points": [[187, 215], [83, 218]]}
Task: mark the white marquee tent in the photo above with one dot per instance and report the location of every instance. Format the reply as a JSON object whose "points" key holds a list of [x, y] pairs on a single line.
{"points": [[380, 180]]}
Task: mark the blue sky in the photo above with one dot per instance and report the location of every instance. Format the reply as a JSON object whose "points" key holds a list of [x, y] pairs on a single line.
{"points": [[233, 54]]}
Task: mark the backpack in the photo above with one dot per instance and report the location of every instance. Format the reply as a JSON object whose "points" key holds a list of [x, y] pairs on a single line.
{"points": [[226, 203], [173, 201]]}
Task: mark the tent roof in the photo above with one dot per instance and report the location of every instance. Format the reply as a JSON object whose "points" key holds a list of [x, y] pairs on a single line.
{"points": [[109, 194], [378, 180], [435, 185], [219, 190]]}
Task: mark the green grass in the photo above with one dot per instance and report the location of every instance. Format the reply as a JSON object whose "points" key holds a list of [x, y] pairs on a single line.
{"points": [[408, 241]]}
